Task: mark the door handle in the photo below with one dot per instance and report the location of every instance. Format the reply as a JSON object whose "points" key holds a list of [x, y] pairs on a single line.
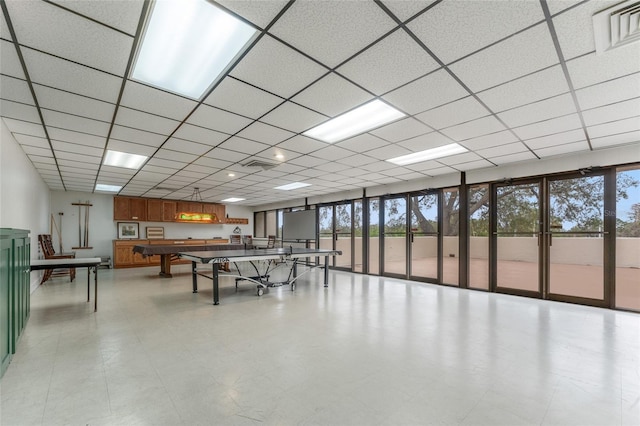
{"points": [[412, 237]]}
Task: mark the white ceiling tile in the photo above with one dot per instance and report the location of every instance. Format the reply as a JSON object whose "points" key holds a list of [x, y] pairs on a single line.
{"points": [[538, 111], [19, 111], [473, 129], [51, 29], [308, 172], [182, 157], [284, 77], [123, 15], [137, 136], [607, 129], [453, 160], [307, 161], [557, 6], [58, 73], [428, 92], [531, 88], [80, 158], [332, 153], [182, 145], [302, 144], [70, 103], [479, 24], [35, 159], [521, 54], [473, 165], [278, 154], [632, 137], [211, 163], [501, 150], [219, 120], [245, 146], [616, 90], [260, 13], [75, 123], [293, 117], [513, 158], [549, 127], [362, 143], [592, 69], [332, 34], [420, 143], [613, 112], [149, 99], [332, 95], [376, 69], [407, 8], [34, 150], [77, 137], [556, 139], [226, 155], [200, 134], [575, 43], [402, 129], [9, 58], [15, 89], [31, 140], [387, 152], [265, 133], [4, 28], [78, 149], [143, 121], [563, 149], [240, 98], [356, 160], [456, 112], [24, 127]]}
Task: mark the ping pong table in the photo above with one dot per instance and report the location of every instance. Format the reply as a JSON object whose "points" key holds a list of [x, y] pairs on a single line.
{"points": [[275, 258]]}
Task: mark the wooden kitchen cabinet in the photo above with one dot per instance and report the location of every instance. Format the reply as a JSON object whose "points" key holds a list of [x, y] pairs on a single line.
{"points": [[169, 210], [189, 206], [155, 210], [217, 209], [129, 208]]}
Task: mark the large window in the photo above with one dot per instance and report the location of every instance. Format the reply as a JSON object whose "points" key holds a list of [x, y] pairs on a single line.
{"points": [[479, 237], [628, 239]]}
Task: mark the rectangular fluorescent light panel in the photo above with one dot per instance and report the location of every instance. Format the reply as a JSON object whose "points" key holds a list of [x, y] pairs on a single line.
{"points": [[362, 119], [290, 186], [233, 200], [123, 159], [108, 188], [429, 154], [187, 45]]}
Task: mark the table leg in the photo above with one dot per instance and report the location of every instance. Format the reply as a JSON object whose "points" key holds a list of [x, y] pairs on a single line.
{"points": [[165, 266], [326, 271], [216, 295], [95, 289], [88, 282], [194, 276]]}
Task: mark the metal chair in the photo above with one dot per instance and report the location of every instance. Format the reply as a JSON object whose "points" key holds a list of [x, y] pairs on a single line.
{"points": [[271, 241], [49, 253]]}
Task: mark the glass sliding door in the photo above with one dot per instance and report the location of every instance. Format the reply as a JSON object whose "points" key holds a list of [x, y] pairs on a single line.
{"points": [[394, 236], [325, 228], [575, 238], [450, 236], [373, 213], [423, 237], [479, 237], [342, 235], [358, 216], [627, 270], [517, 238]]}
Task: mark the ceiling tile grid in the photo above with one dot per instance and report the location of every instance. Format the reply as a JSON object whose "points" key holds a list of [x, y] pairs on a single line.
{"points": [[485, 74]]}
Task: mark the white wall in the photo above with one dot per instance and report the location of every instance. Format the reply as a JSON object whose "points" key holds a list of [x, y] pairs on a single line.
{"points": [[24, 196]]}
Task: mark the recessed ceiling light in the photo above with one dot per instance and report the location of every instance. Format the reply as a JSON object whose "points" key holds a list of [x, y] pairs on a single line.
{"points": [[108, 188], [294, 185], [429, 154], [233, 200], [231, 174], [123, 159], [362, 119], [279, 156], [187, 45]]}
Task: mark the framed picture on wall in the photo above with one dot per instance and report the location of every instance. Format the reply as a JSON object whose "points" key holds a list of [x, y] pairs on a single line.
{"points": [[128, 230], [155, 232]]}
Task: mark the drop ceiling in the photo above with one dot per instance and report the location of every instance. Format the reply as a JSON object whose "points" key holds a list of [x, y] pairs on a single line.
{"points": [[509, 80]]}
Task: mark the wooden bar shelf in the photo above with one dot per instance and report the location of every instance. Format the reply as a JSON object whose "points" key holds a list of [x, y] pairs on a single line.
{"points": [[236, 221]]}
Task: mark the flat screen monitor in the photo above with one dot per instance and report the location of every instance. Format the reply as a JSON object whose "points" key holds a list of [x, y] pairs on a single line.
{"points": [[299, 225]]}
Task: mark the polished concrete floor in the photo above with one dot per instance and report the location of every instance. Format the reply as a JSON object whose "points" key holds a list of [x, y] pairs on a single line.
{"points": [[364, 351]]}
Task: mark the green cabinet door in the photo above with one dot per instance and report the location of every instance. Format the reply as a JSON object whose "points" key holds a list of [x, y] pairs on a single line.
{"points": [[6, 306]]}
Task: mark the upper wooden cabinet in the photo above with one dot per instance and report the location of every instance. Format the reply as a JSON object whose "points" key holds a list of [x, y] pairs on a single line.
{"points": [[127, 208], [157, 210]]}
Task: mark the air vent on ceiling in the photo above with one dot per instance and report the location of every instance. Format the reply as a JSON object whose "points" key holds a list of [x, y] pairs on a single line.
{"points": [[261, 164], [617, 26]]}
